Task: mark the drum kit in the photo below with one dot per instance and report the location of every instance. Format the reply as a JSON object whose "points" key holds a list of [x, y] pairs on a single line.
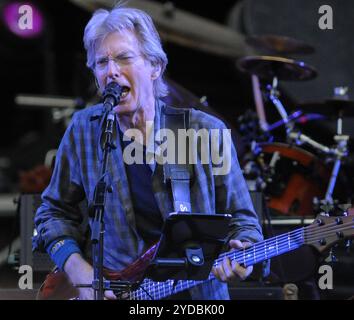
{"points": [[294, 180]]}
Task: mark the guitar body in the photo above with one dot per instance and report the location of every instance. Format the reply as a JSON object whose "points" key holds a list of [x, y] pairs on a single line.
{"points": [[57, 285]]}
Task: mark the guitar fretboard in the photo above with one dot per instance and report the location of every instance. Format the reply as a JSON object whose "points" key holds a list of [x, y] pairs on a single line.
{"points": [[260, 251]]}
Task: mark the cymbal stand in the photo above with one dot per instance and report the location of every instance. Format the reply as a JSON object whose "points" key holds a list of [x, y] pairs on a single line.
{"points": [[292, 134], [299, 138], [274, 97], [341, 151]]}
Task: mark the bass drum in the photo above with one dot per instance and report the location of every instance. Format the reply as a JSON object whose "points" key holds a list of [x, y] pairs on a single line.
{"points": [[294, 177]]}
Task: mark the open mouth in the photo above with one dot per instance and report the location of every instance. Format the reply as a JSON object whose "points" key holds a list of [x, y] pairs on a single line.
{"points": [[125, 92]]}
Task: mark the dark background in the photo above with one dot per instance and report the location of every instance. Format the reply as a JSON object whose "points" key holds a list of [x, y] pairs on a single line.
{"points": [[54, 64]]}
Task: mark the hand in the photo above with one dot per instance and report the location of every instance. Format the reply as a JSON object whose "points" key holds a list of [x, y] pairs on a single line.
{"points": [[228, 271], [81, 272]]}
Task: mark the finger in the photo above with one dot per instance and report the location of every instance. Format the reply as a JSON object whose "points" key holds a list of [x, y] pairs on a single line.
{"points": [[235, 244], [249, 270], [241, 271], [219, 274], [247, 244], [86, 294], [109, 295], [227, 268], [215, 271], [238, 244]]}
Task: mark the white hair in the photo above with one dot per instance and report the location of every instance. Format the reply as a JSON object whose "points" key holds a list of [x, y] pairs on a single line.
{"points": [[104, 22]]}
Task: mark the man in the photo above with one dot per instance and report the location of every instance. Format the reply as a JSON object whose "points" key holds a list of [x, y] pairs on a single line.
{"points": [[123, 46]]}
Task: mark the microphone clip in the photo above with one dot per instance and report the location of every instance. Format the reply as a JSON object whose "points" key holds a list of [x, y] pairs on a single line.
{"points": [[111, 95]]}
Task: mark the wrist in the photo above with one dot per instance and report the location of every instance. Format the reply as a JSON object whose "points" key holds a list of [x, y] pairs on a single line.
{"points": [[78, 269], [61, 249]]}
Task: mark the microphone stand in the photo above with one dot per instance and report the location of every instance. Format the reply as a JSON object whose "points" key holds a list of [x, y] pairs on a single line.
{"points": [[98, 207], [112, 98]]}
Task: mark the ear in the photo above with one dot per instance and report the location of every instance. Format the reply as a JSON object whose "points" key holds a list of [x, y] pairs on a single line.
{"points": [[156, 71]]}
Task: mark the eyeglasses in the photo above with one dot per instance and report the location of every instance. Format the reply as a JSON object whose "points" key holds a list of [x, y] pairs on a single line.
{"points": [[120, 60]]}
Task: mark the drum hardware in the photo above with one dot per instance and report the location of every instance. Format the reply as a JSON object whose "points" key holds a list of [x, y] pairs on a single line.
{"points": [[293, 117], [292, 177], [341, 148], [339, 152], [274, 98], [274, 69], [249, 128], [270, 67]]}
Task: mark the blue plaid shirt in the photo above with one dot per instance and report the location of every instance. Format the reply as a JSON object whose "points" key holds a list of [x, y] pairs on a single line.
{"points": [[77, 170]]}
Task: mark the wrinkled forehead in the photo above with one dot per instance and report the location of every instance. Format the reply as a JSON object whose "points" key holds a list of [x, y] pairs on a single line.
{"points": [[117, 42]]}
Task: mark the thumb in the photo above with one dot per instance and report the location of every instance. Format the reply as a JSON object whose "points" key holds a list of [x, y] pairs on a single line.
{"points": [[109, 295], [236, 244]]}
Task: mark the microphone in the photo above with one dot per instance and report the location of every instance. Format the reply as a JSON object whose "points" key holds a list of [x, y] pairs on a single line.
{"points": [[111, 95]]}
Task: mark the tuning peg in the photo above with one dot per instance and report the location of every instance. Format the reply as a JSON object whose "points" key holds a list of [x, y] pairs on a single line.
{"points": [[348, 245], [331, 257], [344, 208]]}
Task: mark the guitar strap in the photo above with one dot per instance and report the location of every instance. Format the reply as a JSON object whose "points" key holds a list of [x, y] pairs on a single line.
{"points": [[179, 175]]}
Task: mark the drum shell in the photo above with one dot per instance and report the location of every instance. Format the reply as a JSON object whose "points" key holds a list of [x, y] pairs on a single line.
{"points": [[297, 178]]}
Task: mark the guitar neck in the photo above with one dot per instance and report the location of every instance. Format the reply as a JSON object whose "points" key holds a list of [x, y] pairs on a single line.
{"points": [[322, 233], [260, 251]]}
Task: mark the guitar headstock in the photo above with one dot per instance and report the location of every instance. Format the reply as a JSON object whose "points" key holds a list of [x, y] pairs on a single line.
{"points": [[325, 231]]}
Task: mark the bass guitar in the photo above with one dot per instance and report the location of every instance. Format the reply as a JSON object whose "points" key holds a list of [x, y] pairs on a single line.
{"points": [[323, 233]]}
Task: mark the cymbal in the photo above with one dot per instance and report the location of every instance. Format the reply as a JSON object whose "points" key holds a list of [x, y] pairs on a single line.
{"points": [[183, 28], [330, 107], [279, 44], [268, 67]]}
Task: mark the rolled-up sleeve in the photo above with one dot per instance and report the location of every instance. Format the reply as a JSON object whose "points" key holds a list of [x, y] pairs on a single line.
{"points": [[59, 214]]}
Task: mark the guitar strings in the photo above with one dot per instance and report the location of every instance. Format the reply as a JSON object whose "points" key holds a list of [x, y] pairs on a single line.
{"points": [[286, 240], [330, 227], [159, 288], [282, 242], [329, 233]]}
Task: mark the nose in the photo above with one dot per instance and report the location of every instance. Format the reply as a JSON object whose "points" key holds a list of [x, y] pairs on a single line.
{"points": [[113, 70]]}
